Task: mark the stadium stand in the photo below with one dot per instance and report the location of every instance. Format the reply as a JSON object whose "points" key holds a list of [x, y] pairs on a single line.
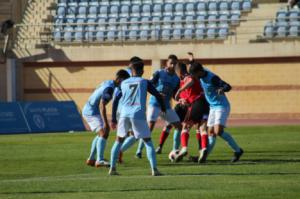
{"points": [[285, 25], [136, 20]]}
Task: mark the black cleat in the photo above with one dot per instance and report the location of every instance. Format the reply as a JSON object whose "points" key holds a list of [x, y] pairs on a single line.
{"points": [[203, 156], [158, 150], [138, 155], [237, 156]]}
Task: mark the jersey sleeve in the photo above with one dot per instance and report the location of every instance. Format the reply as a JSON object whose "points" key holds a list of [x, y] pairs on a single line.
{"points": [[115, 105], [107, 94], [217, 82], [155, 78], [152, 90]]}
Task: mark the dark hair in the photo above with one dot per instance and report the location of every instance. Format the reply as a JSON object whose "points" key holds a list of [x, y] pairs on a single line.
{"points": [[122, 74], [138, 66], [195, 67], [135, 59], [182, 67], [173, 57]]}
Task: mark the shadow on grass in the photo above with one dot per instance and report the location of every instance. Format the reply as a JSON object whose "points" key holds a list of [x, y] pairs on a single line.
{"points": [[234, 174]]}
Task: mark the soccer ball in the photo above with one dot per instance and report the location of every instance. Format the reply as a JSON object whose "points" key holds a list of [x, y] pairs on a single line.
{"points": [[173, 154]]}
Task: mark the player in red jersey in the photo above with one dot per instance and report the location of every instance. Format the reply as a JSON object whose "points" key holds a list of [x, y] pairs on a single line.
{"points": [[191, 95]]}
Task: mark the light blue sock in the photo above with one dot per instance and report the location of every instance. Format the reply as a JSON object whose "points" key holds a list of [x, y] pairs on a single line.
{"points": [[230, 141], [115, 150], [101, 143], [93, 149], [211, 143], [176, 139], [151, 154], [141, 146], [129, 141]]}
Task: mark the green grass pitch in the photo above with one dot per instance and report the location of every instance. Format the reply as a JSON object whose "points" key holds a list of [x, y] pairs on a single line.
{"points": [[53, 166]]}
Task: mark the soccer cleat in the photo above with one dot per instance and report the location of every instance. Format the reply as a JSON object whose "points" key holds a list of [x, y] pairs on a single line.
{"points": [[113, 172], [203, 156], [155, 172], [138, 155], [120, 159], [180, 156], [102, 163], [237, 155], [90, 162], [158, 150]]}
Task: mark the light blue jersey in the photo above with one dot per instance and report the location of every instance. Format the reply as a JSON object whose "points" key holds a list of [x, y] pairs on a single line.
{"points": [[134, 96], [210, 87], [104, 92], [165, 83]]}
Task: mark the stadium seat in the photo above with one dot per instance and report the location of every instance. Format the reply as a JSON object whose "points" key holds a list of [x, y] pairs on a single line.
{"points": [[188, 33], [144, 35], [294, 29], [114, 11], [235, 5], [179, 9], [223, 31], [200, 32], [83, 3], [103, 12], [224, 6], [201, 7], [281, 29], [212, 5], [212, 31], [281, 16], [94, 3], [190, 9], [135, 11], [61, 11], [269, 30], [246, 5], [157, 10], [68, 34], [146, 10], [177, 34], [168, 9], [100, 36], [235, 17], [294, 15]]}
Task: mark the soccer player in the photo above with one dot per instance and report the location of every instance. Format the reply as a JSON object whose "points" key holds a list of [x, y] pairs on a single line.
{"points": [[133, 115], [198, 107], [167, 83], [97, 119], [215, 89]]}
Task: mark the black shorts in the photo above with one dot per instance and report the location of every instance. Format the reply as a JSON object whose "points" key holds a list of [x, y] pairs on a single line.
{"points": [[197, 112], [181, 111]]}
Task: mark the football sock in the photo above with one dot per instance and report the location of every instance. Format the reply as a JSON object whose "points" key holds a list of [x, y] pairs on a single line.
{"points": [[115, 150], [140, 146], [230, 141], [184, 138], [129, 141], [204, 140], [93, 148], [101, 143], [198, 136], [176, 140], [211, 143], [163, 136], [151, 154]]}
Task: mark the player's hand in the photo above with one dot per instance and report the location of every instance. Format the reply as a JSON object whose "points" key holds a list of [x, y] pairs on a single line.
{"points": [[113, 125], [220, 91]]}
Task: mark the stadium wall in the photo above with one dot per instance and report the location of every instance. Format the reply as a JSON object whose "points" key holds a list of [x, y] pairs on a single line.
{"points": [[262, 87], [2, 82]]}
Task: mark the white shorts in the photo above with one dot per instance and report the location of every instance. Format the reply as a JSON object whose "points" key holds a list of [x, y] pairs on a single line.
{"points": [[154, 112], [95, 122], [218, 116], [139, 127]]}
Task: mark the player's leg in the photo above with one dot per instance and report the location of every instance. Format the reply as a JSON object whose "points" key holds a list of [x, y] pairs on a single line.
{"points": [[123, 127], [128, 142], [92, 157], [152, 115], [181, 112], [204, 142], [210, 130], [163, 137], [220, 123], [101, 144], [141, 130], [184, 138]]}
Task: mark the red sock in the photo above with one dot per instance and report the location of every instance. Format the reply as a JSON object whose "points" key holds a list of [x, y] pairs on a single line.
{"points": [[198, 136], [204, 140], [184, 138], [163, 136]]}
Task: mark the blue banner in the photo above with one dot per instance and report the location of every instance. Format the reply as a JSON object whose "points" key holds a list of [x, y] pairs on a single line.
{"points": [[40, 117], [12, 120]]}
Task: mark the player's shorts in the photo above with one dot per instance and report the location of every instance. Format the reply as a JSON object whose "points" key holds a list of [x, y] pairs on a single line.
{"points": [[154, 112], [181, 111], [95, 122], [218, 116], [139, 127], [197, 112]]}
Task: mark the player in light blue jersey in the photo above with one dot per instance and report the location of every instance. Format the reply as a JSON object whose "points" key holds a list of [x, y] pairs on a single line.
{"points": [[167, 83], [96, 117], [214, 89], [133, 115]]}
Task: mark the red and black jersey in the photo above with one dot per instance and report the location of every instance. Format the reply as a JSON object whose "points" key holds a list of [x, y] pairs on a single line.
{"points": [[192, 93]]}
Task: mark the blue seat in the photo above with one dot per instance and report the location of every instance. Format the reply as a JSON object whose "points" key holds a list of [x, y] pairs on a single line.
{"points": [[93, 10], [223, 31], [104, 2], [71, 10], [269, 30], [61, 11], [72, 3], [144, 35], [281, 16], [114, 2], [114, 11], [89, 36], [235, 17], [189, 22], [146, 10], [188, 34], [224, 18], [247, 5], [57, 35], [281, 29], [235, 5], [294, 15], [94, 3], [62, 3], [78, 36], [111, 35], [294, 29], [177, 34], [168, 9], [100, 36], [68, 34], [133, 35], [82, 10], [157, 10], [91, 24], [156, 24], [166, 34], [83, 2], [135, 10], [125, 10], [201, 7], [200, 32], [212, 31], [123, 23], [212, 18], [190, 9], [154, 34], [224, 6], [201, 19], [103, 11], [212, 5], [179, 9]]}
